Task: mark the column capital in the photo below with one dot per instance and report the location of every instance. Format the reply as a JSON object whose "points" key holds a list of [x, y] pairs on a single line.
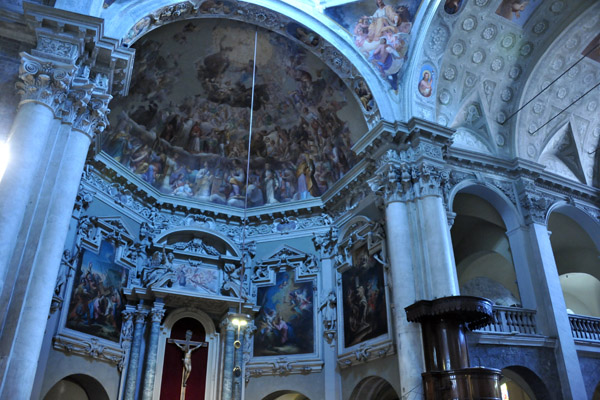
{"points": [[44, 81], [533, 202], [140, 315], [400, 178], [157, 314]]}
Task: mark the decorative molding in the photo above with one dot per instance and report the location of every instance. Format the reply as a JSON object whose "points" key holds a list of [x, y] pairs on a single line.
{"points": [[305, 264], [90, 347], [366, 352], [326, 242], [282, 366]]}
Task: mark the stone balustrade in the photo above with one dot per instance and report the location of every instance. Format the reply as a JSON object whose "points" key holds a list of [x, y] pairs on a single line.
{"points": [[584, 327], [512, 320]]}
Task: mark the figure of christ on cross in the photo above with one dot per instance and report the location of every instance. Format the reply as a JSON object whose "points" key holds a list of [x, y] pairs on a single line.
{"points": [[187, 346]]}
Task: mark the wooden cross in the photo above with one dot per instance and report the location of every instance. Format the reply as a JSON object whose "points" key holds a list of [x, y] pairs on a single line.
{"points": [[187, 346]]}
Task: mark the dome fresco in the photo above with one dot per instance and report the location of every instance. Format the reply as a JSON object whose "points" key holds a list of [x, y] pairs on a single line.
{"points": [[183, 128]]}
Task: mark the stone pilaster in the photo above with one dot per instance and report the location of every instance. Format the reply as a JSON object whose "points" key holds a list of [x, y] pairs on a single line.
{"points": [[134, 354], [542, 266], [156, 315]]}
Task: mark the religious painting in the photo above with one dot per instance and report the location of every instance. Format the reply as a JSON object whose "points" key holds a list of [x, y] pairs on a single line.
{"points": [[195, 278], [381, 31], [592, 50], [363, 288], [96, 299], [183, 129], [427, 80], [517, 11], [452, 6], [285, 323]]}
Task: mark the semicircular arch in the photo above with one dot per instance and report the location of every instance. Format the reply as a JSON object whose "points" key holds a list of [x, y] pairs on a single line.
{"points": [[497, 199], [90, 385]]}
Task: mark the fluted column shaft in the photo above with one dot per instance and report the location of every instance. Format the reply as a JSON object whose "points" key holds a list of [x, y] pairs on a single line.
{"points": [[134, 355], [227, 388], [156, 316]]}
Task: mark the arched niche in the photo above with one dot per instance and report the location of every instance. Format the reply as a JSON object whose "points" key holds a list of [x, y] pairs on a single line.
{"points": [[494, 196], [582, 293], [575, 240], [374, 388], [211, 337], [482, 249], [285, 395], [77, 386], [525, 384]]}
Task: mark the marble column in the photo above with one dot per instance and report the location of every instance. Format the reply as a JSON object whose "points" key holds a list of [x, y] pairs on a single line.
{"points": [[41, 90], [549, 292], [156, 315], [400, 257], [227, 388], [238, 381], [28, 340], [440, 267], [134, 355]]}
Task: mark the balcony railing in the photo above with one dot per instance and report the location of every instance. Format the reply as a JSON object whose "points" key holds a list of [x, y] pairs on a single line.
{"points": [[585, 328], [512, 320]]}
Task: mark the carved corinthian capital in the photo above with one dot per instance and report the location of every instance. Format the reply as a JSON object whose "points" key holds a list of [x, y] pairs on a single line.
{"points": [[535, 204], [93, 118], [44, 81], [398, 180]]}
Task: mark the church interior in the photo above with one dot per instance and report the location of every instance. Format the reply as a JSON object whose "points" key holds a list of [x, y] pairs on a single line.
{"points": [[300, 199]]}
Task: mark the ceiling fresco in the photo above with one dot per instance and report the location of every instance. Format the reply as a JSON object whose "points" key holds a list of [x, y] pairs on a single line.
{"points": [[381, 32], [183, 129]]}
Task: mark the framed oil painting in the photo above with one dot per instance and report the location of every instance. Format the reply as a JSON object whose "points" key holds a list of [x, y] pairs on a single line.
{"points": [[364, 303], [96, 301], [285, 322]]}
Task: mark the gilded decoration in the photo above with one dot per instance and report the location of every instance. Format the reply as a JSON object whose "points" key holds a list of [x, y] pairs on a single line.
{"points": [[184, 127]]}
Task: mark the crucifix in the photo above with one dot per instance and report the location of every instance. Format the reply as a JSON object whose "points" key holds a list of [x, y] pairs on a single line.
{"points": [[187, 346]]}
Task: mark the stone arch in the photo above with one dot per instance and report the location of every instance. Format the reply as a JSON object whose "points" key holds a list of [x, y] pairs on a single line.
{"points": [[528, 380], [485, 262], [77, 384], [575, 243], [584, 220], [121, 18], [285, 395], [212, 337], [374, 388], [499, 200]]}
